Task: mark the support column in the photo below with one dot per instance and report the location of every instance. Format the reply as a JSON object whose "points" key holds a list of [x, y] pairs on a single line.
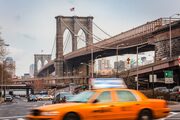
{"points": [[59, 47], [89, 35], [4, 91], [74, 34], [74, 43], [27, 92], [35, 66], [59, 68], [32, 91]]}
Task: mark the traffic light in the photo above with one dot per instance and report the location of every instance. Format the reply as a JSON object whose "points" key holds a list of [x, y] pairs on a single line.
{"points": [[128, 60]]}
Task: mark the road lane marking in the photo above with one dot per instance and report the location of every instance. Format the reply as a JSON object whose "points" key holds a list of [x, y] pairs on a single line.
{"points": [[3, 118], [168, 117], [20, 119], [173, 118], [172, 114]]}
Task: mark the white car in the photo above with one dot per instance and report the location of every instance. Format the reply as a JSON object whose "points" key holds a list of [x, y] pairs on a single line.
{"points": [[46, 97], [8, 98]]}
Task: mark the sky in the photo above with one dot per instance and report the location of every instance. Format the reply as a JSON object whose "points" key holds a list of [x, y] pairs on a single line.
{"points": [[29, 26]]}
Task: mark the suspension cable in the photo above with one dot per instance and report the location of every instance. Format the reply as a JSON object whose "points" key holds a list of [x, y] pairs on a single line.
{"points": [[100, 46], [87, 41], [102, 30], [95, 37], [53, 46], [80, 36]]}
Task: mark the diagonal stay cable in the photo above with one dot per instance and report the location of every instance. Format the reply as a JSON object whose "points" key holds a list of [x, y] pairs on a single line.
{"points": [[102, 30], [67, 41], [114, 48], [95, 37], [53, 46], [84, 40]]}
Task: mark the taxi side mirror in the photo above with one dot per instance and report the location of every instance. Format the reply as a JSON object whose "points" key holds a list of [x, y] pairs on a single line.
{"points": [[95, 101]]}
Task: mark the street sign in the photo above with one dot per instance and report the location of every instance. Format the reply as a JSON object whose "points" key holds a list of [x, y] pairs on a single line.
{"points": [[136, 79], [179, 60], [168, 74], [169, 80], [153, 78]]}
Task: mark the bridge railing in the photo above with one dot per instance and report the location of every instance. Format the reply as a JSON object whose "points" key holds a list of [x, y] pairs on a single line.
{"points": [[143, 29]]}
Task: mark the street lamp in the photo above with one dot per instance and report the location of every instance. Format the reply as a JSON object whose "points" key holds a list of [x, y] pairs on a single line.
{"points": [[117, 53], [92, 64], [137, 66], [97, 65], [137, 51], [92, 68], [170, 37]]}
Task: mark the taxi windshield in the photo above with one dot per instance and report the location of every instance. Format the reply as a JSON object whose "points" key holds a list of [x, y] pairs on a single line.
{"points": [[82, 97]]}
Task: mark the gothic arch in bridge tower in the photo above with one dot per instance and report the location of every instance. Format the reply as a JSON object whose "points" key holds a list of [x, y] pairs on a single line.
{"points": [[74, 25], [67, 42], [81, 40], [39, 65], [43, 59]]}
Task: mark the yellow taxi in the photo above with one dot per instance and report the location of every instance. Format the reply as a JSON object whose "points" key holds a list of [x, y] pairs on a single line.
{"points": [[104, 104]]}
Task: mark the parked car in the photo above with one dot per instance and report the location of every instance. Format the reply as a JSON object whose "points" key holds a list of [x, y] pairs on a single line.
{"points": [[8, 98], [62, 97], [46, 97], [39, 97], [161, 89], [175, 94], [32, 98]]}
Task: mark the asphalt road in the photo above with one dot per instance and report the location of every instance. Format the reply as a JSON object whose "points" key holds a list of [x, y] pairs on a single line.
{"points": [[17, 109], [20, 107]]}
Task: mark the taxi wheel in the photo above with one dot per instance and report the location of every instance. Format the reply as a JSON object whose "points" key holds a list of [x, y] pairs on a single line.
{"points": [[71, 116], [145, 115]]}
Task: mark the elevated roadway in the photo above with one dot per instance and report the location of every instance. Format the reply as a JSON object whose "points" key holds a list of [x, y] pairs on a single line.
{"points": [[143, 34]]}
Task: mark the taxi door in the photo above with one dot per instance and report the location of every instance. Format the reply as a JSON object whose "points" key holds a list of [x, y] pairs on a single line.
{"points": [[127, 105], [102, 108]]}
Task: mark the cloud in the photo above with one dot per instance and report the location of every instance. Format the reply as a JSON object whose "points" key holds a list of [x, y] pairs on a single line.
{"points": [[22, 59], [28, 37], [17, 17], [15, 52]]}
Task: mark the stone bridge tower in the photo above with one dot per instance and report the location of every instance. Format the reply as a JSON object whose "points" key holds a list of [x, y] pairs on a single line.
{"points": [[73, 24], [42, 58]]}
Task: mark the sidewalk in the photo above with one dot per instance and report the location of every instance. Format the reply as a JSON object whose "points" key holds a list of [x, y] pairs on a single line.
{"points": [[174, 106], [1, 100]]}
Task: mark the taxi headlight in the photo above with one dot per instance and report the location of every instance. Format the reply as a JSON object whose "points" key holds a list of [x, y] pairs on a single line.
{"points": [[49, 113]]}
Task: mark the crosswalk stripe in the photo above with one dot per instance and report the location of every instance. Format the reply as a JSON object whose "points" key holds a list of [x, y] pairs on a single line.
{"points": [[20, 119]]}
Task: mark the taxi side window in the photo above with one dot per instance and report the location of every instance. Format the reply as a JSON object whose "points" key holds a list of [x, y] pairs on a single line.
{"points": [[104, 97], [124, 96]]}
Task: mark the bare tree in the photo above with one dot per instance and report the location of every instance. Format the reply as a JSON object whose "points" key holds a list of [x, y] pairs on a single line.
{"points": [[4, 75]]}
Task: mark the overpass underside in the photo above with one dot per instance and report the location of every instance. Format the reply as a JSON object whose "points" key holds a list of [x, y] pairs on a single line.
{"points": [[158, 68]]}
